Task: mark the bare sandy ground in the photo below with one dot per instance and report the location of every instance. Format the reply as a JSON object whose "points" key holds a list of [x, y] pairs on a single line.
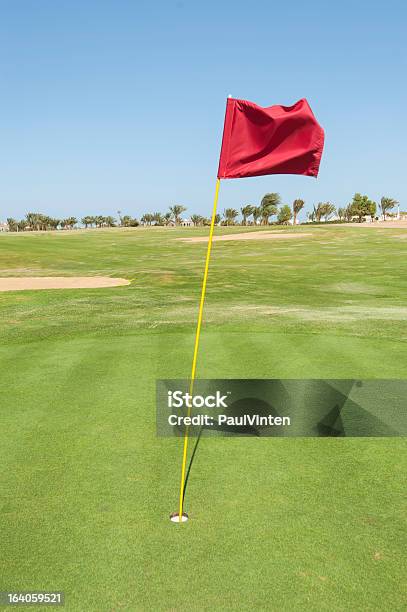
{"points": [[401, 223], [14, 283], [282, 234], [274, 235]]}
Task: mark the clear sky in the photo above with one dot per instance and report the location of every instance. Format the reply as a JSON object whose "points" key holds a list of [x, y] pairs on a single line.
{"points": [[119, 105]]}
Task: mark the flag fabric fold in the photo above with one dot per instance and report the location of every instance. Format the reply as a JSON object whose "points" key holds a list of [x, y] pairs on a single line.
{"points": [[274, 140]]}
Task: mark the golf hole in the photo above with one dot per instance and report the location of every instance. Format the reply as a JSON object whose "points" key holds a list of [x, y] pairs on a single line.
{"points": [[174, 517]]}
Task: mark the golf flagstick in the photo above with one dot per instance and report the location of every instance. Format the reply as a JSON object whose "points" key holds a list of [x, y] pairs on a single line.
{"points": [[196, 348], [257, 141], [198, 438]]}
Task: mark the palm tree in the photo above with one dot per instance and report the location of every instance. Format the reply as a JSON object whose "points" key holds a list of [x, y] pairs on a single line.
{"points": [[197, 219], [69, 222], [218, 219], [324, 209], [341, 213], [147, 219], [230, 215], [320, 211], [387, 204], [348, 212], [54, 223], [87, 221], [177, 211], [256, 214], [246, 212], [284, 215], [297, 206], [44, 222], [312, 216], [158, 218], [110, 221], [269, 206], [33, 220], [12, 224], [329, 210], [167, 218]]}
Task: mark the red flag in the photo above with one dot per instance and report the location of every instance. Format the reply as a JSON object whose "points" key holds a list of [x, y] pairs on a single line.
{"points": [[273, 140]]}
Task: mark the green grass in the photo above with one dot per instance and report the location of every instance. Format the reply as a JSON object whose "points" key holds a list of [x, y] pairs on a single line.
{"points": [[276, 524]]}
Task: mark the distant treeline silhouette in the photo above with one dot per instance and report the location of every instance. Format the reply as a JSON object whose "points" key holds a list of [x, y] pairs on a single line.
{"points": [[270, 206]]}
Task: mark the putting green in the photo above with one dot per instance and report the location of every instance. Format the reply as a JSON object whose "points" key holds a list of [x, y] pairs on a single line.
{"points": [[274, 524]]}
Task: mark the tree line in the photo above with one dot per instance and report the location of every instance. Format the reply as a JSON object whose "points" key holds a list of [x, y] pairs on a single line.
{"points": [[270, 206], [360, 207]]}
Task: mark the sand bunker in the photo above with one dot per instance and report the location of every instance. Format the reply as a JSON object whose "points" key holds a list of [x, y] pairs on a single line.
{"points": [[14, 283], [249, 236], [399, 224]]}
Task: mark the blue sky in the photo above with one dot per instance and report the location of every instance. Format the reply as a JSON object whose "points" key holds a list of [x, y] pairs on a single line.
{"points": [[119, 105]]}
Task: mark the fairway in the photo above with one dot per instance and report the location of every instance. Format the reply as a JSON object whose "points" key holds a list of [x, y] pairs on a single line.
{"points": [[87, 487]]}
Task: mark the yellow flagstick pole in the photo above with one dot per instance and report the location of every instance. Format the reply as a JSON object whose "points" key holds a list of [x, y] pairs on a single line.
{"points": [[196, 347]]}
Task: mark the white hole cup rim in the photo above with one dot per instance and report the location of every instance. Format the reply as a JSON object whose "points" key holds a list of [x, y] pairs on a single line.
{"points": [[174, 517]]}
